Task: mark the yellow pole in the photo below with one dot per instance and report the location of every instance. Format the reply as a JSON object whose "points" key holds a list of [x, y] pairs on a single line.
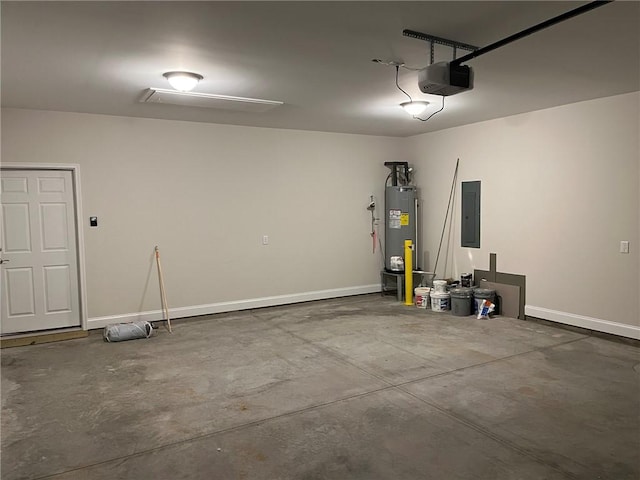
{"points": [[408, 272]]}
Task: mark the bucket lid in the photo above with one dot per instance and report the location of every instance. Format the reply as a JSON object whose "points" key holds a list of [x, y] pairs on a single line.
{"points": [[440, 294], [480, 292], [462, 292]]}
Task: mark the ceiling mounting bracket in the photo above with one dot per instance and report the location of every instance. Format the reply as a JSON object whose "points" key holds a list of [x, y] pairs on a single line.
{"points": [[439, 40]]}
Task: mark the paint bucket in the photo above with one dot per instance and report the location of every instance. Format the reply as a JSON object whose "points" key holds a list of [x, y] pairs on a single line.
{"points": [[480, 294], [461, 301], [440, 301], [421, 296], [440, 286], [465, 280]]}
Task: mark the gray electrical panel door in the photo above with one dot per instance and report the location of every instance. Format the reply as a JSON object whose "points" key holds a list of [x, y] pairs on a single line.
{"points": [[471, 214]]}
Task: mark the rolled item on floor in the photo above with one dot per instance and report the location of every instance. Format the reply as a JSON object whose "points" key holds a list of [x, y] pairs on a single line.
{"points": [[119, 332]]}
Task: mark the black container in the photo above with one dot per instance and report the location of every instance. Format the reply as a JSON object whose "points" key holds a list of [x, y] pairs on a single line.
{"points": [[480, 294]]}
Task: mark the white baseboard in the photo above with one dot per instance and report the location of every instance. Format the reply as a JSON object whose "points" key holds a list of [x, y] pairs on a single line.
{"points": [[222, 307], [590, 323]]}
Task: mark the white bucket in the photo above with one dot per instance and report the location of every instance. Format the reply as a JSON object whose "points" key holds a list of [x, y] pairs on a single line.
{"points": [[440, 302], [440, 286], [422, 297]]}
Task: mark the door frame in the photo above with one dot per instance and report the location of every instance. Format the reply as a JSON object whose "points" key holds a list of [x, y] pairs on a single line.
{"points": [[77, 200]]}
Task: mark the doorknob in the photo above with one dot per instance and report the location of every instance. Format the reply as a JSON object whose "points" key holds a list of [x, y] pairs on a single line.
{"points": [[4, 261]]}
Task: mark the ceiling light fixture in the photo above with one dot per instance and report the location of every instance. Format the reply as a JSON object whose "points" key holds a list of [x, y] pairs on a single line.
{"points": [[414, 108], [167, 96], [183, 81]]}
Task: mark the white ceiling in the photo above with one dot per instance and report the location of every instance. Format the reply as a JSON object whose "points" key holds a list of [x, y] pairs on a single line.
{"points": [[98, 57]]}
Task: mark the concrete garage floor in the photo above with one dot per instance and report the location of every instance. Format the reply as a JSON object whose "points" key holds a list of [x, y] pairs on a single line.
{"points": [[355, 388]]}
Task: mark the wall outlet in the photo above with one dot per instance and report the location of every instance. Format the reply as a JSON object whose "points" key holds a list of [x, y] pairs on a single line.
{"points": [[624, 246], [265, 239]]}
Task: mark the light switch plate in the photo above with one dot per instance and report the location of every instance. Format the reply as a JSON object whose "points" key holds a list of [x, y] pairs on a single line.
{"points": [[624, 246]]}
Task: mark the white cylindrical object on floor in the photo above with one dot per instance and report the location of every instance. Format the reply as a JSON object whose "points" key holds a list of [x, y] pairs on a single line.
{"points": [[440, 302], [119, 332], [422, 297], [440, 286]]}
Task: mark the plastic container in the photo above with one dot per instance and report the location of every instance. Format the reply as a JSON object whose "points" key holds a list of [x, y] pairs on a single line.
{"points": [[461, 301], [440, 286], [465, 279], [440, 302], [421, 296], [480, 294]]}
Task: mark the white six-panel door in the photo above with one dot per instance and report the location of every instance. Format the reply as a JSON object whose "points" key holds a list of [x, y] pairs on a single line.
{"points": [[39, 270]]}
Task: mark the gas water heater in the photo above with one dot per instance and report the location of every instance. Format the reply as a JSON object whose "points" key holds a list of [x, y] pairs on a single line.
{"points": [[401, 222]]}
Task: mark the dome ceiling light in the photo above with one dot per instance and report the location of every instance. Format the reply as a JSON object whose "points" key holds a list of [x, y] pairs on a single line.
{"points": [[183, 81], [414, 107]]}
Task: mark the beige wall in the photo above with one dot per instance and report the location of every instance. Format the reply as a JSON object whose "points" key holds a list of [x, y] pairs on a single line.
{"points": [[559, 193], [206, 194]]}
